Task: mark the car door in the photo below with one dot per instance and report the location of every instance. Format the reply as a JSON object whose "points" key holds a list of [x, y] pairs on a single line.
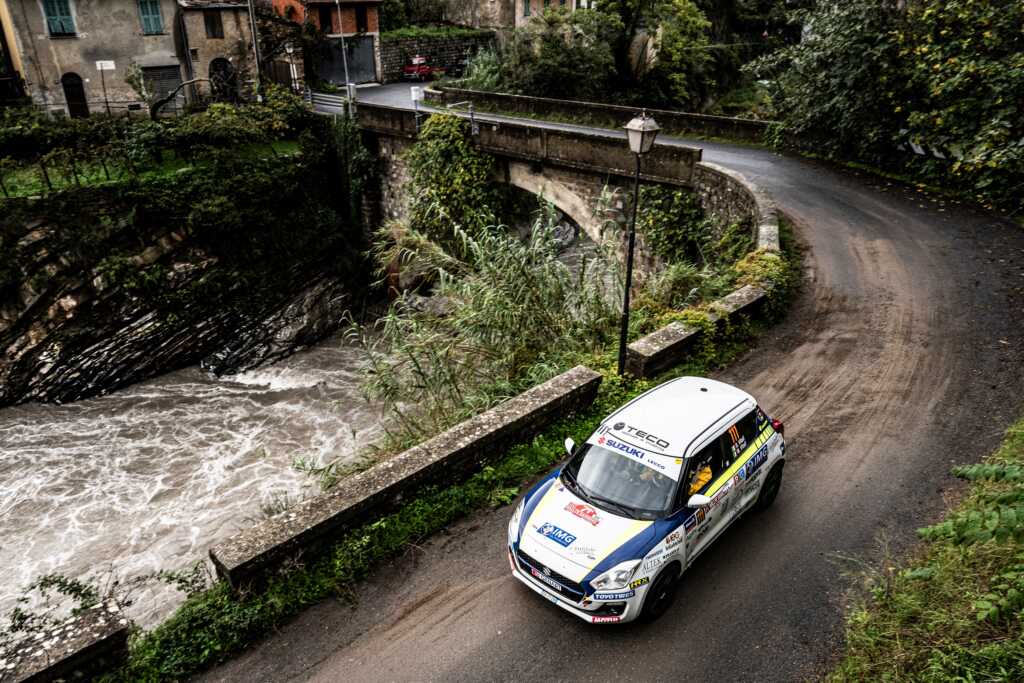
{"points": [[755, 432], [702, 524]]}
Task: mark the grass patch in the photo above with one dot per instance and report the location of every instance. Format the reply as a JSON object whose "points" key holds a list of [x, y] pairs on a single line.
{"points": [[955, 611]]}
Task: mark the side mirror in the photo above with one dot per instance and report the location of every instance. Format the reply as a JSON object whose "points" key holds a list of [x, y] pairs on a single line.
{"points": [[570, 446], [697, 501]]}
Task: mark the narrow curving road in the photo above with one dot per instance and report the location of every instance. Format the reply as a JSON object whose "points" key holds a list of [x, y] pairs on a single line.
{"points": [[903, 355]]}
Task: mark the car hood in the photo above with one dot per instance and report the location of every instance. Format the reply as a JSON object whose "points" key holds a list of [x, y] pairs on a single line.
{"points": [[573, 537]]}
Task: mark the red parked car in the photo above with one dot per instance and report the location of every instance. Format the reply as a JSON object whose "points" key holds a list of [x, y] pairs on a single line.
{"points": [[419, 69]]}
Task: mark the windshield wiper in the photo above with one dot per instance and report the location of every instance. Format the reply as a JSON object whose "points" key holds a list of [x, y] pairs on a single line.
{"points": [[624, 509]]}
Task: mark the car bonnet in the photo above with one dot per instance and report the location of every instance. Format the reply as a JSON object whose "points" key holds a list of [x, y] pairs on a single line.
{"points": [[572, 537]]}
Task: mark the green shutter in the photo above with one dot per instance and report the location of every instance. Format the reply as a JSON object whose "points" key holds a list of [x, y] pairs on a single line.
{"points": [[526, 8], [58, 17], [149, 10]]}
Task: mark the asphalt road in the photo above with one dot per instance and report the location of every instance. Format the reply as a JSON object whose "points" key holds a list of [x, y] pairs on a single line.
{"points": [[903, 355]]}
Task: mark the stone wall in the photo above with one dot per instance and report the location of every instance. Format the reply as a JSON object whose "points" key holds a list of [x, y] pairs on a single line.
{"points": [[610, 115], [446, 458], [486, 14], [77, 649], [728, 197], [444, 52]]}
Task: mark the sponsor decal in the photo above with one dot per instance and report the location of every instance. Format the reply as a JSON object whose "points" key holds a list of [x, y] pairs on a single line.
{"points": [[642, 581], [656, 552], [756, 460], [673, 538], [695, 520], [584, 512], [546, 579], [556, 534], [620, 595], [641, 434], [720, 496], [604, 620], [652, 564]]}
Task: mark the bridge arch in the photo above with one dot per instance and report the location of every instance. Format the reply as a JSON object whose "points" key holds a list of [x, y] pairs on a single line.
{"points": [[577, 200]]}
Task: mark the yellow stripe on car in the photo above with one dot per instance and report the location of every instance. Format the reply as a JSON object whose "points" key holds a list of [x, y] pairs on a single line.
{"points": [[629, 532], [761, 440]]}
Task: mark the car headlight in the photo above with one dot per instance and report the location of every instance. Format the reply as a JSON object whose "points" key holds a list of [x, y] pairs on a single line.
{"points": [[616, 577], [513, 524]]}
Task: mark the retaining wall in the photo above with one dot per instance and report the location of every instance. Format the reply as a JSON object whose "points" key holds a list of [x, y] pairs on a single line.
{"points": [[444, 52], [603, 114], [446, 458], [77, 649]]}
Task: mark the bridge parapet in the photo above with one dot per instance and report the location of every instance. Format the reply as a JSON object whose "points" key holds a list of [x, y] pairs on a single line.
{"points": [[603, 152]]}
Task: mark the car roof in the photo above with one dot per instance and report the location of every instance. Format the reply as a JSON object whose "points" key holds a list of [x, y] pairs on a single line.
{"points": [[679, 412]]}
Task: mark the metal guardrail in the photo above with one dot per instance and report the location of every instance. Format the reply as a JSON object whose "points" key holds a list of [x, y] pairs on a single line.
{"points": [[328, 103]]}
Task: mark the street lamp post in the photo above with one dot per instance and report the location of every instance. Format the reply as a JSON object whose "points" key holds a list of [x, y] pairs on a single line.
{"points": [[641, 132]]}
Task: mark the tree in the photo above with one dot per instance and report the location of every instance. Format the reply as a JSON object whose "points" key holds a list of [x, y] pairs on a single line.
{"points": [[563, 54], [837, 86]]}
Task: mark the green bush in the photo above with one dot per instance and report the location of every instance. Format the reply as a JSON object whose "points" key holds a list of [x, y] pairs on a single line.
{"points": [[451, 181], [562, 54], [955, 610], [433, 33], [948, 76]]}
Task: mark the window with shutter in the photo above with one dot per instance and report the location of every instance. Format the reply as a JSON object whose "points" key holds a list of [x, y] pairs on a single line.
{"points": [[152, 22], [58, 18]]}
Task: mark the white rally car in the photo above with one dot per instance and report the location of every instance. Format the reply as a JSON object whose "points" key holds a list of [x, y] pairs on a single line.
{"points": [[608, 535]]}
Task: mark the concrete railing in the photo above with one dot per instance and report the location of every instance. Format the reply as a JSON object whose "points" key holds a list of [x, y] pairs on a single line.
{"points": [[446, 458], [602, 114], [589, 150], [77, 649]]}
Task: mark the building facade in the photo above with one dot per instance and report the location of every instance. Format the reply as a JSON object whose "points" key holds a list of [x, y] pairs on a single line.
{"points": [[357, 21], [217, 45], [75, 56]]}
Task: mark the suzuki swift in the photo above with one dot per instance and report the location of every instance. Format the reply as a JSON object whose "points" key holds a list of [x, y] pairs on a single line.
{"points": [[608, 535]]}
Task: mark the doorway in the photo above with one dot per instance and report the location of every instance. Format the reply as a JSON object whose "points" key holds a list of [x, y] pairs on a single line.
{"points": [[74, 95]]}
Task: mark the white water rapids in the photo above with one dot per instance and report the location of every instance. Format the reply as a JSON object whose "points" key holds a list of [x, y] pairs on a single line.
{"points": [[153, 475]]}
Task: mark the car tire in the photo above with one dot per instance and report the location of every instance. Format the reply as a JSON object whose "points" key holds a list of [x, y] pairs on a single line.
{"points": [[661, 595], [770, 488]]}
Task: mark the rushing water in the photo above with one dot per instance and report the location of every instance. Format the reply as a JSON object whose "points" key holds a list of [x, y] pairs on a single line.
{"points": [[153, 475]]}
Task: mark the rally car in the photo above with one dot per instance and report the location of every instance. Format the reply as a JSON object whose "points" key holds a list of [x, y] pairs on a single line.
{"points": [[608, 535]]}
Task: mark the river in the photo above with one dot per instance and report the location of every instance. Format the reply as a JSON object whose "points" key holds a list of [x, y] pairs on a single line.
{"points": [[152, 475]]}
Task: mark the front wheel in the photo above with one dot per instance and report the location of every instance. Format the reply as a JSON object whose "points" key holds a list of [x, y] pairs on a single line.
{"points": [[661, 595], [770, 488]]}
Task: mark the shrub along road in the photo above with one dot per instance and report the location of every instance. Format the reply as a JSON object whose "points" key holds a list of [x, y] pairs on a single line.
{"points": [[903, 355]]}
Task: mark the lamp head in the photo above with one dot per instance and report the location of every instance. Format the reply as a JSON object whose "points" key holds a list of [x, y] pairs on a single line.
{"points": [[641, 131]]}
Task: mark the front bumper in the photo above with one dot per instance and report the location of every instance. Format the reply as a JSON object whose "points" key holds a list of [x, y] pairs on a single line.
{"points": [[589, 610]]}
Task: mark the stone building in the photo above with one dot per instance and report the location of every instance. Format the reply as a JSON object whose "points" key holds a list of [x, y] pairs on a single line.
{"points": [[58, 46], [217, 44], [503, 14], [74, 55], [355, 20]]}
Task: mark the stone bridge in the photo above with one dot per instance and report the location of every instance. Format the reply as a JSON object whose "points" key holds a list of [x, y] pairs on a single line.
{"points": [[586, 173]]}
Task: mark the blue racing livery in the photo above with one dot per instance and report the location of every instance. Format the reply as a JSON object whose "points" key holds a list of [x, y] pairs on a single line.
{"points": [[556, 534]]}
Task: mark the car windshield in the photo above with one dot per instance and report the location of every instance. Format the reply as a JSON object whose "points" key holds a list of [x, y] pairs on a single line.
{"points": [[619, 483]]}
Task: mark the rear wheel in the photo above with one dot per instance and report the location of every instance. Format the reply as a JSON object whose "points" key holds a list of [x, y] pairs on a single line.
{"points": [[770, 488], [661, 595]]}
